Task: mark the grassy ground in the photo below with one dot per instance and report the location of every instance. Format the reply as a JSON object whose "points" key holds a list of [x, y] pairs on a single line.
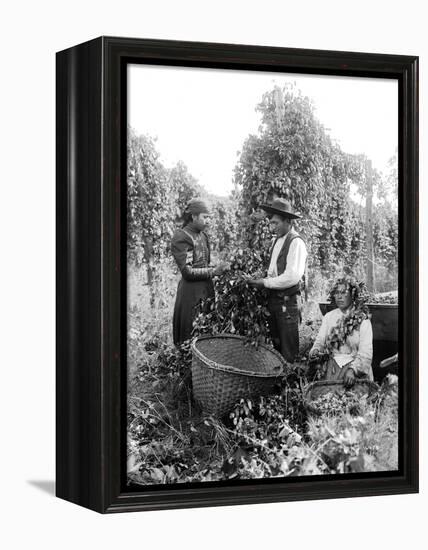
{"points": [[171, 440]]}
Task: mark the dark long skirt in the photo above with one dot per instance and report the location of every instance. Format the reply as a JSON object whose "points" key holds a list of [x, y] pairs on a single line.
{"points": [[189, 294]]}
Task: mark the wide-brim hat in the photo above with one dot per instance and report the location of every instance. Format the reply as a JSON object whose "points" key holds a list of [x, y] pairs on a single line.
{"points": [[281, 207]]}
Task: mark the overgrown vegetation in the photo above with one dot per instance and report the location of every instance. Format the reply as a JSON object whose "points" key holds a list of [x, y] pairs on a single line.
{"points": [[172, 441]]}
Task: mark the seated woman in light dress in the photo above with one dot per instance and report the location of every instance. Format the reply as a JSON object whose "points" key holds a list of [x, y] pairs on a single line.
{"points": [[343, 349]]}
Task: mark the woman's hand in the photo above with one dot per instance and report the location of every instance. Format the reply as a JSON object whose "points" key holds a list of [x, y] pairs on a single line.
{"points": [[349, 379], [221, 268]]}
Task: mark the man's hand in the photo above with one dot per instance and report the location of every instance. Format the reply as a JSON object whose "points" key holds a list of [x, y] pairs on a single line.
{"points": [[257, 283], [349, 379], [314, 353]]}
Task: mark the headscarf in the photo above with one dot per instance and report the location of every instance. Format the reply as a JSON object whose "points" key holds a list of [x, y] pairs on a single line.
{"points": [[194, 207]]}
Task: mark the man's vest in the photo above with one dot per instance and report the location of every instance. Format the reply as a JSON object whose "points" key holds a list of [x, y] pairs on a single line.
{"points": [[281, 265]]}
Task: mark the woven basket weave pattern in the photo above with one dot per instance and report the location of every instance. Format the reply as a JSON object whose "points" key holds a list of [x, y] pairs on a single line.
{"points": [[224, 370]]}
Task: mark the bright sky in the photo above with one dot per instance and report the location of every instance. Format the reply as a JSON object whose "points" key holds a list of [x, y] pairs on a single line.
{"points": [[202, 116]]}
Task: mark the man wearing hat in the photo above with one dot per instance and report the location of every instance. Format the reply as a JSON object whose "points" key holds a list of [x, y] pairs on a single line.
{"points": [[191, 250], [285, 272]]}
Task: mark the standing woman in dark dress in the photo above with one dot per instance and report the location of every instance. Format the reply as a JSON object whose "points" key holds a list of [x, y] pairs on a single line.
{"points": [[191, 250]]}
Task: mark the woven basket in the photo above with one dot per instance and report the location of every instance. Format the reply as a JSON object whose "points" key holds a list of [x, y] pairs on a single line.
{"points": [[316, 389], [225, 369]]}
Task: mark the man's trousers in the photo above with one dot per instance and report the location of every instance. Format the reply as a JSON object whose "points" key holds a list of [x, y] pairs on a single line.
{"points": [[285, 316]]}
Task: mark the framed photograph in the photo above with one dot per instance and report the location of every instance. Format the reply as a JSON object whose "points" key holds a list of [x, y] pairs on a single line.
{"points": [[237, 277]]}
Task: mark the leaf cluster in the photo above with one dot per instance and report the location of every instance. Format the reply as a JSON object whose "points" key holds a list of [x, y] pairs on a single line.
{"points": [[237, 308]]}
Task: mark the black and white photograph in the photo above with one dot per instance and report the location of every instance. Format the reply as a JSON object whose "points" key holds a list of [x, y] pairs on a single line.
{"points": [[262, 275], [213, 237]]}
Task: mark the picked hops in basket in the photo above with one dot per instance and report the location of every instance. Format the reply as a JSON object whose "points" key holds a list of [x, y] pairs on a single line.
{"points": [[331, 397]]}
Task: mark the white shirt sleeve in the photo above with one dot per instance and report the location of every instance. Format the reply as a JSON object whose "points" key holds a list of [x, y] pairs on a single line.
{"points": [[295, 269]]}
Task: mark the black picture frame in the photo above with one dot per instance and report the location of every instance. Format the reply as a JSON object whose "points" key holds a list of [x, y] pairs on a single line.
{"points": [[90, 210]]}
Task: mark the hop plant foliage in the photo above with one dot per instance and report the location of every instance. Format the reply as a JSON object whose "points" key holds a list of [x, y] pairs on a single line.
{"points": [[293, 156], [238, 308]]}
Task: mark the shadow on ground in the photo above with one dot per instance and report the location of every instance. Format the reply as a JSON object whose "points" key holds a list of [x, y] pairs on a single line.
{"points": [[47, 486]]}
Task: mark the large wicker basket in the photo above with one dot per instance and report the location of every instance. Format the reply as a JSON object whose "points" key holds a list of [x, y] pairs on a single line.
{"points": [[225, 369]]}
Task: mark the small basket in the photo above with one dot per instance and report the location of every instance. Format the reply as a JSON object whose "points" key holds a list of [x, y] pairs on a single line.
{"points": [[315, 390], [226, 369]]}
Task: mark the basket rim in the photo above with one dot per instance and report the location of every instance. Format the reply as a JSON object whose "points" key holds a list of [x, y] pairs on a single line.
{"points": [[229, 368], [311, 385]]}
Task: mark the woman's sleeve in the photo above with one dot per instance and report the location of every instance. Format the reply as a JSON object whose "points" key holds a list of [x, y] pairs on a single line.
{"points": [[321, 336], [182, 250], [363, 360]]}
